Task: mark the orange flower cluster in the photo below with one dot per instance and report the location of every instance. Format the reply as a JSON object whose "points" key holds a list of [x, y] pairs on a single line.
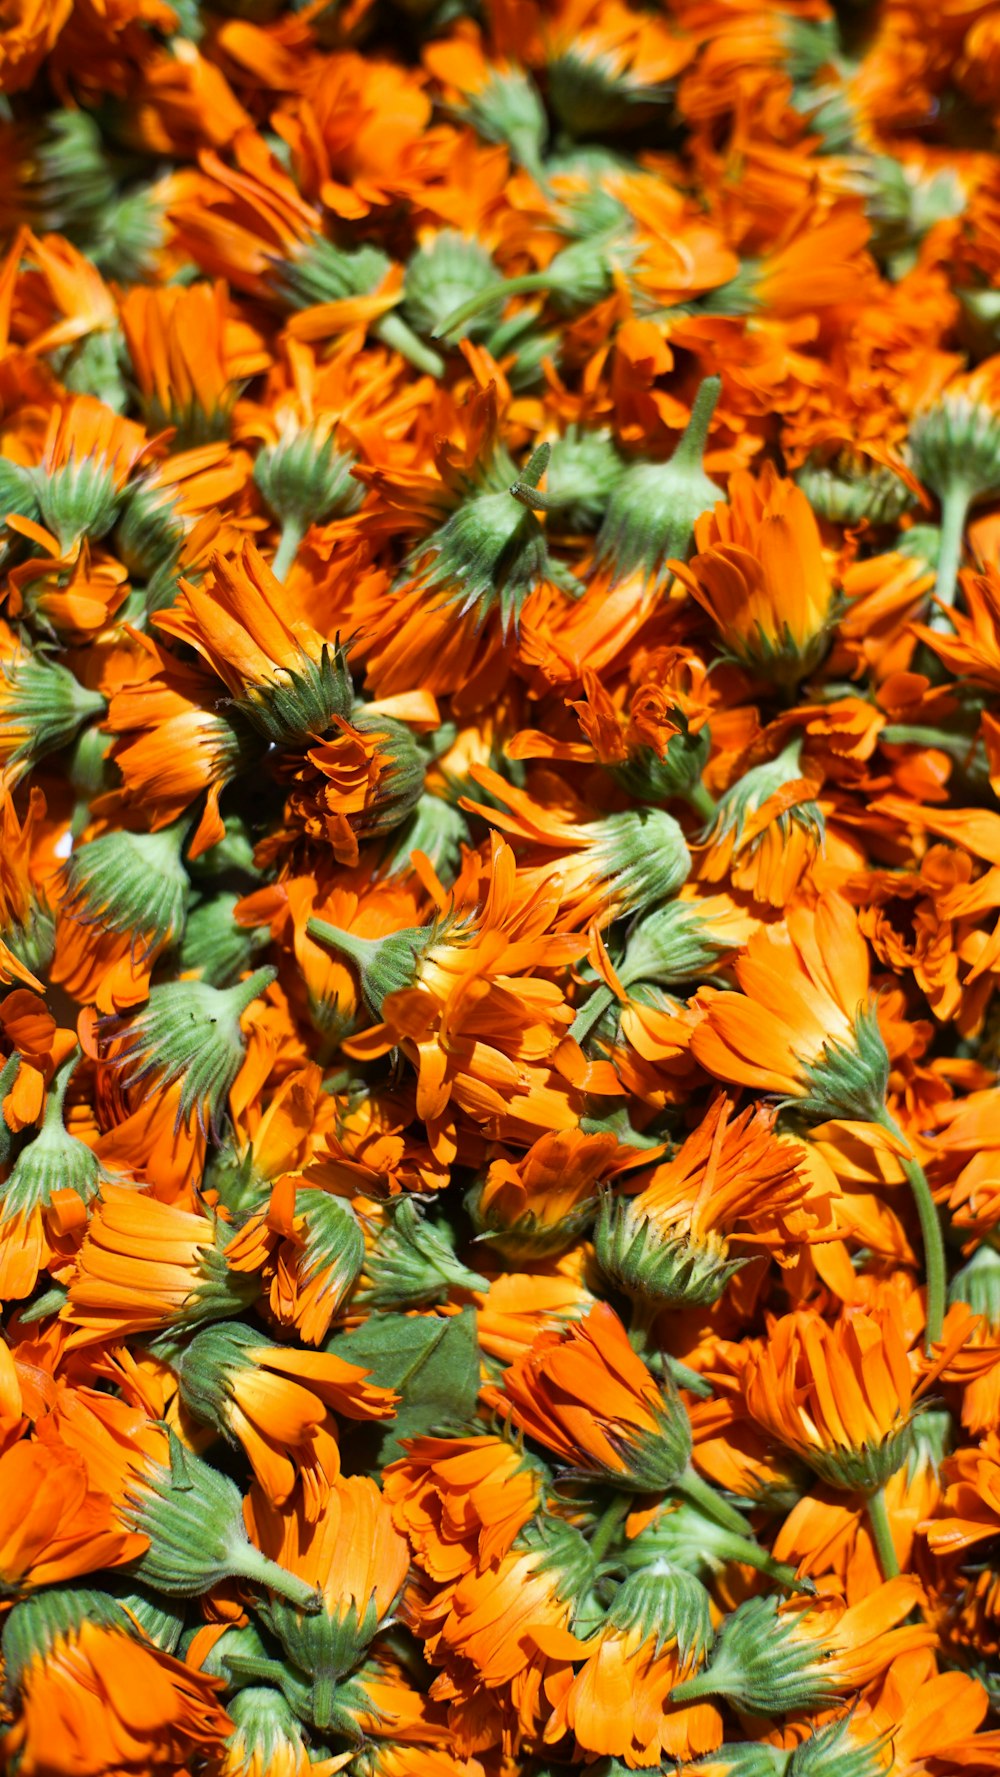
{"points": [[500, 888]]}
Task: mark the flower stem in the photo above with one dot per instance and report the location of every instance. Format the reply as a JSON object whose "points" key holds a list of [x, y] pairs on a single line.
{"points": [[930, 1233], [878, 1518], [701, 801], [608, 1525], [393, 331], [292, 533], [698, 1492], [954, 511]]}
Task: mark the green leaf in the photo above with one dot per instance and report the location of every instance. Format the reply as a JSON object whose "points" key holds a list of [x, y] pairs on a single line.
{"points": [[431, 1361]]}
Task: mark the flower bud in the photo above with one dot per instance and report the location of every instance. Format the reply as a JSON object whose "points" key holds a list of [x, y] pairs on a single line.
{"points": [[651, 514], [444, 274], [305, 479], [848, 489], [385, 965], [412, 1262], [214, 946], [42, 707], [761, 1665], [667, 1601], [190, 1032], [130, 882], [193, 1517], [77, 499]]}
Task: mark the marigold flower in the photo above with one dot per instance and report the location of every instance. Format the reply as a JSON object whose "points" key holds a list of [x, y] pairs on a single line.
{"points": [[462, 1501]]}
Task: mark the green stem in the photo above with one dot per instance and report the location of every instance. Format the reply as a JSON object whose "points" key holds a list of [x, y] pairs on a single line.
{"points": [[588, 1015], [690, 1690], [608, 1525], [393, 331], [250, 1564], [493, 293], [691, 448], [930, 1234], [955, 502], [698, 1492], [701, 800], [878, 1518], [292, 533]]}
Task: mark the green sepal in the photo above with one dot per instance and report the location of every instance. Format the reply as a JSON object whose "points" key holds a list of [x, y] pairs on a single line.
{"points": [[299, 705], [190, 1032], [412, 1262], [130, 882], [651, 514], [850, 1080], [53, 1159], [192, 1515]]}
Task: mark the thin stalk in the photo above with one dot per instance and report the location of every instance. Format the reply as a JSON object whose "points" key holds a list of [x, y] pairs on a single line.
{"points": [[878, 1518], [250, 1564], [587, 1017], [698, 1492], [930, 1234], [292, 533], [609, 1524], [955, 502], [493, 293], [702, 801], [393, 331]]}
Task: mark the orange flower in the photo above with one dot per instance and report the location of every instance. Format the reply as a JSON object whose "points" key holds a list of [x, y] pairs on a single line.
{"points": [[749, 554], [97, 1697], [145, 1264], [971, 1505], [308, 1248], [55, 1525], [540, 1202], [731, 1182], [177, 341], [355, 1558], [618, 1702], [460, 1502], [584, 1394], [29, 31], [285, 678], [805, 1014]]}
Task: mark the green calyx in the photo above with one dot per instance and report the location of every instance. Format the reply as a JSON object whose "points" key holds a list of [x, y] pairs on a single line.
{"points": [[78, 500], [760, 1664], [643, 856], [508, 108], [42, 707], [333, 1245], [267, 1734], [214, 945], [756, 787], [413, 1262], [955, 450], [192, 1515], [208, 1362], [672, 945], [579, 276], [583, 471], [305, 479], [653, 777], [401, 779], [651, 514], [444, 275], [591, 97], [850, 1079], [492, 552], [34, 1626], [298, 705], [848, 490], [836, 1751], [130, 882], [52, 1161], [671, 1270], [190, 1032], [385, 965], [687, 1536], [977, 1284], [667, 1603]]}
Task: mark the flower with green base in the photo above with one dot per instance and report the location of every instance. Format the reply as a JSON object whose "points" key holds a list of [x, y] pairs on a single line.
{"points": [[317, 272], [955, 450], [651, 513], [192, 1515], [189, 1033], [42, 706], [411, 1261], [305, 480], [53, 1161], [130, 882], [447, 271]]}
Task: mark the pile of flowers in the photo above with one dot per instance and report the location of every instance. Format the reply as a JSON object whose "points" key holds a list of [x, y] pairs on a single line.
{"points": [[500, 888]]}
